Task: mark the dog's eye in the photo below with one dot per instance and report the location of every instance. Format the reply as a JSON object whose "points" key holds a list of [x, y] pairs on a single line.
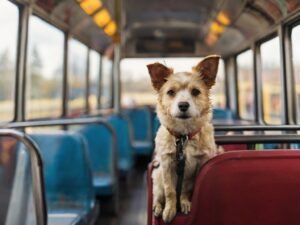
{"points": [[171, 92], [195, 92]]}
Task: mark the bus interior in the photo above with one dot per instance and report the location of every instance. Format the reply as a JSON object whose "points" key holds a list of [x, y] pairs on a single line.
{"points": [[78, 111]]}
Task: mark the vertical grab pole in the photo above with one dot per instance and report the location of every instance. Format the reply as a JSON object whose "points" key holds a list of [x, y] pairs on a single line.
{"points": [[116, 79]]}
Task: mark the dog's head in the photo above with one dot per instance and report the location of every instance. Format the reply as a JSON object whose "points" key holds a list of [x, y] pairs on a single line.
{"points": [[183, 97]]}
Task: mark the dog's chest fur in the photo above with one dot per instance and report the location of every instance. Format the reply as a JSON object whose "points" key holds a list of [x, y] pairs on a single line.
{"points": [[195, 150]]}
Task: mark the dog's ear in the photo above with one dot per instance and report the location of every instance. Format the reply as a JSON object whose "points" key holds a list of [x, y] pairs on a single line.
{"points": [[208, 69], [159, 74]]}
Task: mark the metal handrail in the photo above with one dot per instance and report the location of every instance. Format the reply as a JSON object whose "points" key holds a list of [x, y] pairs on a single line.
{"points": [[37, 172], [257, 127], [90, 120], [69, 122], [220, 139], [60, 122], [254, 139]]}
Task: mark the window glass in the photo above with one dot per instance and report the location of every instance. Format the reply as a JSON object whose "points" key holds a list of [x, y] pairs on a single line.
{"points": [[77, 77], [8, 46], [106, 86], [218, 90], [136, 83], [270, 59], [296, 64], [245, 76], [44, 70], [94, 79]]}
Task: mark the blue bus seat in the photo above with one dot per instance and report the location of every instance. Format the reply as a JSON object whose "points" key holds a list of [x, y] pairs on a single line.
{"points": [[141, 120], [124, 148], [101, 149], [224, 114], [104, 185], [156, 125], [65, 217], [68, 177], [295, 146], [271, 146]]}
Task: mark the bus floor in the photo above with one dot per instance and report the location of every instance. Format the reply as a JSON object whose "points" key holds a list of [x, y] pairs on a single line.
{"points": [[133, 203]]}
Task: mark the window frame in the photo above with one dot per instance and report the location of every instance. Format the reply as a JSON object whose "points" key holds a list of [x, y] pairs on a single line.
{"points": [[295, 110]]}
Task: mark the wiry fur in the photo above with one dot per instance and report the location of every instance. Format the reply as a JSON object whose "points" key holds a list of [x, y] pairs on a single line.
{"points": [[197, 150]]}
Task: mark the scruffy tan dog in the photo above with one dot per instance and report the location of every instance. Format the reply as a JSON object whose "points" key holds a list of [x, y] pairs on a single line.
{"points": [[183, 108]]}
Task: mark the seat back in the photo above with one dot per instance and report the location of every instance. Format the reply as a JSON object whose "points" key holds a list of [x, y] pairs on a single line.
{"points": [[67, 171], [123, 143], [223, 114], [140, 119], [268, 146], [235, 147], [101, 147], [247, 187]]}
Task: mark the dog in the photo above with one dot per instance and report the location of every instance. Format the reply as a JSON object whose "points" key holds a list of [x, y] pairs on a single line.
{"points": [[184, 110]]}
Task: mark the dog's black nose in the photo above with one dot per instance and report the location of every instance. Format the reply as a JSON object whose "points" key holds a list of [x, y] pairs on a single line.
{"points": [[183, 106]]}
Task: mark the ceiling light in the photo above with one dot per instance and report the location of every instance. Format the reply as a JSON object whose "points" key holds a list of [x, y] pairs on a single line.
{"points": [[90, 6], [111, 28], [102, 18], [223, 18], [216, 28]]}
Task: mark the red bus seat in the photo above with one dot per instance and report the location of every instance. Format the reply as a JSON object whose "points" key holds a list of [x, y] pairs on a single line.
{"points": [[243, 188], [234, 147]]}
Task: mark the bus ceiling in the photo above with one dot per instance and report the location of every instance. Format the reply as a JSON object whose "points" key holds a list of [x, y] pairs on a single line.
{"points": [[171, 27], [69, 16], [199, 27]]}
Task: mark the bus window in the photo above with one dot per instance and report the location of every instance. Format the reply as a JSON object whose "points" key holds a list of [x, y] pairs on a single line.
{"points": [[94, 79], [246, 84], [270, 59], [77, 77], [44, 70], [296, 65], [9, 27], [136, 83], [106, 83], [218, 90]]}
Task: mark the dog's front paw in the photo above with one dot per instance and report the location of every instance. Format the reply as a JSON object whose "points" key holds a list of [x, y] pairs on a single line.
{"points": [[169, 212], [157, 209], [185, 206]]}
